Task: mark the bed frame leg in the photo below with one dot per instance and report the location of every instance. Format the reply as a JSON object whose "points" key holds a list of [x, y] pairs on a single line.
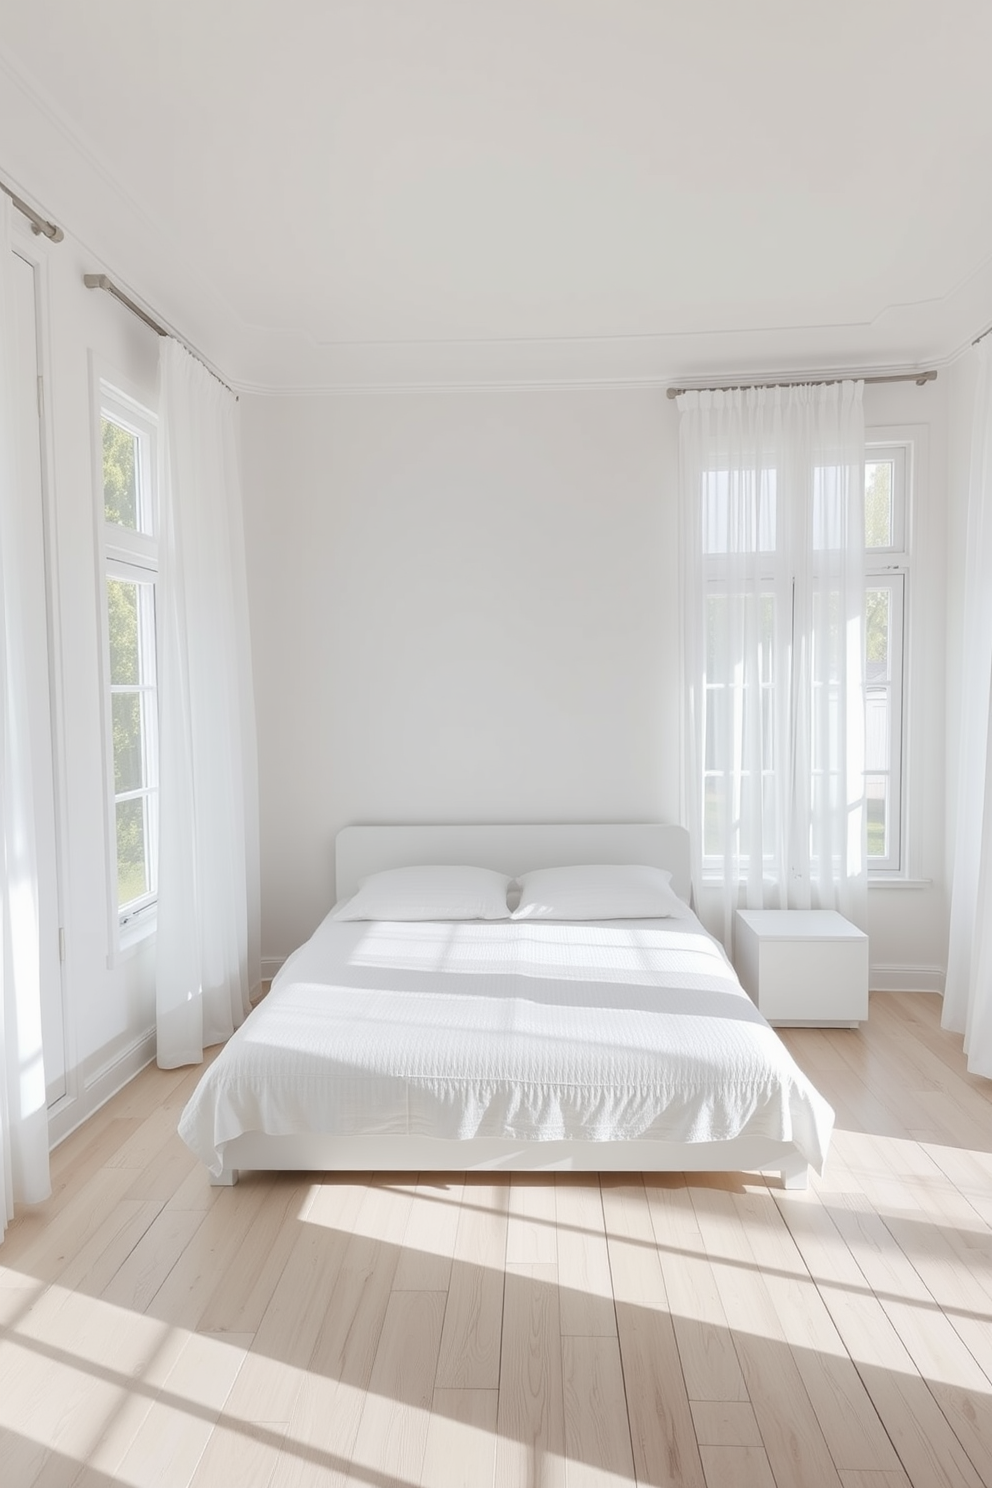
{"points": [[226, 1179], [795, 1177]]}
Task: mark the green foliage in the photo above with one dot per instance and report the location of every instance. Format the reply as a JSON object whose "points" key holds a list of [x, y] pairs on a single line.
{"points": [[877, 624], [131, 880], [122, 616], [878, 504], [128, 772], [876, 828], [120, 485]]}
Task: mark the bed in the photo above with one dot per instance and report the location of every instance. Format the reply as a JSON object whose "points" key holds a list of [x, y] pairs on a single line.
{"points": [[621, 1042]]}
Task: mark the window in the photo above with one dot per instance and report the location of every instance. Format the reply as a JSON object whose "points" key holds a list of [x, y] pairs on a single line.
{"points": [[887, 469], [130, 548], [729, 690], [773, 533]]}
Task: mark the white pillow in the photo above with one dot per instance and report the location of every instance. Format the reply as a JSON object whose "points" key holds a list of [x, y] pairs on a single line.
{"points": [[428, 893], [597, 891]]}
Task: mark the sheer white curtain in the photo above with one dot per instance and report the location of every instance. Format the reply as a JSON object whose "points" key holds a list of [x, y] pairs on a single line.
{"points": [[773, 547], [23, 1106], [968, 994], [208, 955]]}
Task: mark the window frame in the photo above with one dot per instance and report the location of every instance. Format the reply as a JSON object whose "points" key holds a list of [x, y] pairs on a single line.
{"points": [[129, 555]]}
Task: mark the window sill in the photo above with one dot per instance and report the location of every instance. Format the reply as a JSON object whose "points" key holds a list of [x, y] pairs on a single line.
{"points": [[715, 881], [132, 936], [898, 883]]}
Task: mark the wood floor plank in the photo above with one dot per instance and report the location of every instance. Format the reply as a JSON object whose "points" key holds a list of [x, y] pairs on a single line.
{"points": [[470, 1341], [332, 1383], [245, 1454], [392, 1434], [146, 1142], [429, 1241], [461, 1440], [531, 1235], [242, 1292], [737, 1467], [584, 1278], [725, 1423], [272, 1375], [634, 1261], [857, 1479], [598, 1449], [134, 1285], [97, 1261], [660, 1419], [214, 1247], [530, 1444], [165, 1170], [710, 1365]]}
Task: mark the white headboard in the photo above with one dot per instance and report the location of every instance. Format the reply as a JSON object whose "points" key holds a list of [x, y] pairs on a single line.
{"points": [[510, 849]]}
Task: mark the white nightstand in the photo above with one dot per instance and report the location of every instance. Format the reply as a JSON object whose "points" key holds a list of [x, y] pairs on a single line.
{"points": [[803, 966]]}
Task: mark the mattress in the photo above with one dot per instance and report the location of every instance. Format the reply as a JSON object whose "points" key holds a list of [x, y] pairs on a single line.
{"points": [[518, 1030]]}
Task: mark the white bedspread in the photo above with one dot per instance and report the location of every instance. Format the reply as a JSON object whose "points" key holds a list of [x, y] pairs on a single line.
{"points": [[517, 1030]]}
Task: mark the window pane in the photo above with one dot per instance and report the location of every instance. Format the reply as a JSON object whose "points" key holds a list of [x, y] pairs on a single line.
{"points": [[131, 632], [120, 475], [877, 725], [877, 790], [122, 614], [878, 614], [738, 511], [128, 753], [717, 654], [132, 874], [830, 507], [878, 503], [714, 815]]}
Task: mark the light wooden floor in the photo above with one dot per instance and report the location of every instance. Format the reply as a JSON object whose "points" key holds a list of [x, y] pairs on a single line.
{"points": [[709, 1333]]}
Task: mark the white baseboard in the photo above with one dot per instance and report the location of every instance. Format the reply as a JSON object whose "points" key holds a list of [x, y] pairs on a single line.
{"points": [[95, 1088], [270, 965], [907, 978]]}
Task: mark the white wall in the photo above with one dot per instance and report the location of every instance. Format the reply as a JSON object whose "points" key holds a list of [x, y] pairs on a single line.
{"points": [[465, 606], [109, 1008]]}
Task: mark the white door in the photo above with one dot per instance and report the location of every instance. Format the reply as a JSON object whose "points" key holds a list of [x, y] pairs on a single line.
{"points": [[36, 640]]}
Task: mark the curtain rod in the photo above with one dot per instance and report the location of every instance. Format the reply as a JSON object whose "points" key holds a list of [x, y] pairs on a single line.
{"points": [[104, 281], [39, 225], [918, 377]]}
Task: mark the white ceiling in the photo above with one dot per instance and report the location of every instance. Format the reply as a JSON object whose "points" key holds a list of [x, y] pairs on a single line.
{"points": [[373, 192]]}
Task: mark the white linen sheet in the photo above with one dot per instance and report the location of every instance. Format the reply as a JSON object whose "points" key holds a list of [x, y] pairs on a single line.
{"points": [[604, 1031]]}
